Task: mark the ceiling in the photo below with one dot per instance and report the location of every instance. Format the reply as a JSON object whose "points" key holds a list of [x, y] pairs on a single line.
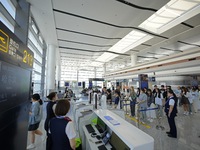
{"points": [[84, 29]]}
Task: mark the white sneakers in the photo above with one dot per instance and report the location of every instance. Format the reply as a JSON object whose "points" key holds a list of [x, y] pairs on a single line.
{"points": [[186, 113], [31, 146]]}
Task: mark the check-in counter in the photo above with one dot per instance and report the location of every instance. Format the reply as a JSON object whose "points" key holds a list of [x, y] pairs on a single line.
{"points": [[126, 133]]}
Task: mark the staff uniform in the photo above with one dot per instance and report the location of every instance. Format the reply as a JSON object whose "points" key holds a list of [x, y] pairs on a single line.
{"points": [[173, 102], [50, 114], [61, 130]]}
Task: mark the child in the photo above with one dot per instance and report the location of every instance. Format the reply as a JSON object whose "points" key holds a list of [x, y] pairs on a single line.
{"points": [[35, 116]]}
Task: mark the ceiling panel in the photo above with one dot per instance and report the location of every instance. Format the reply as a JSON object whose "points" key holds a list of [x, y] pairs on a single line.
{"points": [[154, 41], [95, 21], [194, 21], [175, 30]]}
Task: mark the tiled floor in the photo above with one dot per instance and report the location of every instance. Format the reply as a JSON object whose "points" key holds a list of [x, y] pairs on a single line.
{"points": [[188, 128]]}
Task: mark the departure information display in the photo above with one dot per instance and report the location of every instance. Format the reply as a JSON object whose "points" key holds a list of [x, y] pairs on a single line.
{"points": [[16, 63], [10, 45]]}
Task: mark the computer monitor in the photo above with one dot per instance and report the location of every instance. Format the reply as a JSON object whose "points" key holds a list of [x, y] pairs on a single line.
{"points": [[106, 138], [117, 143], [101, 124]]}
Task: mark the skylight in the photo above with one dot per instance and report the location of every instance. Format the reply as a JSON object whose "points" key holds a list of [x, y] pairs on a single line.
{"points": [[172, 13]]}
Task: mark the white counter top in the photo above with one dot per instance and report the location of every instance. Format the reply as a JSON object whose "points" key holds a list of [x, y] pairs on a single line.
{"points": [[131, 135]]}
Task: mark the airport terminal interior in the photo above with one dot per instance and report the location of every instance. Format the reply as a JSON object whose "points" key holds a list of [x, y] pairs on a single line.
{"points": [[125, 72]]}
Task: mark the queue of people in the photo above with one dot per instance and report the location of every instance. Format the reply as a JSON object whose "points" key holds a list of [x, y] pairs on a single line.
{"points": [[164, 97]]}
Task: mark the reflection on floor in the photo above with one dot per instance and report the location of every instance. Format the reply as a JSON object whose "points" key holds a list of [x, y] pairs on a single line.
{"points": [[188, 128]]}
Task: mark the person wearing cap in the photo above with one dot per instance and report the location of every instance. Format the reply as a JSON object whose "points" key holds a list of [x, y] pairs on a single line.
{"points": [[171, 111], [50, 114], [35, 116]]}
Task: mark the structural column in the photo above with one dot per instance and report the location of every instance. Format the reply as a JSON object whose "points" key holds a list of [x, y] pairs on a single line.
{"points": [[104, 68], [51, 65], [77, 76], [133, 59], [95, 75], [58, 68]]}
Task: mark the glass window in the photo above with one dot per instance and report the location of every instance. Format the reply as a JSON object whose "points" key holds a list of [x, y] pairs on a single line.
{"points": [[37, 67], [6, 22], [9, 7]]}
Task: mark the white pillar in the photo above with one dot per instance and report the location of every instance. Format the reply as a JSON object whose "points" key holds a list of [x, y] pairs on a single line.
{"points": [[77, 76], [58, 67], [51, 63], [104, 68], [95, 75], [133, 59]]}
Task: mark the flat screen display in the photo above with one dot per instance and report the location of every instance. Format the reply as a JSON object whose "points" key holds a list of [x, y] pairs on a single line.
{"points": [[101, 124]]}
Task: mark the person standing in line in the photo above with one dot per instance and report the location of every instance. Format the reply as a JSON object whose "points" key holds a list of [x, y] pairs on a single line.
{"points": [[35, 116], [117, 99], [142, 101], [150, 97], [171, 111], [178, 95], [195, 95], [109, 97], [158, 96], [150, 104], [185, 101], [154, 90], [138, 92], [61, 128], [50, 114], [190, 97], [133, 98]]}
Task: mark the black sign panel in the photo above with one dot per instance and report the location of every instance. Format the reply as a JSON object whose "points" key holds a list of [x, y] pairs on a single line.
{"points": [[16, 62], [12, 50]]}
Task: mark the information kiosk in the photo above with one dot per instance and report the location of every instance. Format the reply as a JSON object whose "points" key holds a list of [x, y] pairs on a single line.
{"points": [[16, 62]]}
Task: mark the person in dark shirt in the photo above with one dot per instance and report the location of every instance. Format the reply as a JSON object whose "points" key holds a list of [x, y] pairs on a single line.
{"points": [[171, 111], [138, 92], [50, 114], [116, 98], [150, 97], [61, 128], [109, 97], [154, 90]]}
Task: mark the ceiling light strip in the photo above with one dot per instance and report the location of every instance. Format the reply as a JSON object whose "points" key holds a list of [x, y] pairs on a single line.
{"points": [[84, 43]]}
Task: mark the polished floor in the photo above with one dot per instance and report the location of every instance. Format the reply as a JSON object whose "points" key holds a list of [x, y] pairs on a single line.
{"points": [[188, 129]]}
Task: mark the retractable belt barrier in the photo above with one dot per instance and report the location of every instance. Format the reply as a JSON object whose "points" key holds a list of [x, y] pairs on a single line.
{"points": [[148, 109], [133, 103]]}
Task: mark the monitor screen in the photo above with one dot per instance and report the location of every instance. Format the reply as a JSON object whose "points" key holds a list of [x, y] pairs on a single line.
{"points": [[66, 83], [106, 138], [101, 124], [79, 83], [117, 143]]}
